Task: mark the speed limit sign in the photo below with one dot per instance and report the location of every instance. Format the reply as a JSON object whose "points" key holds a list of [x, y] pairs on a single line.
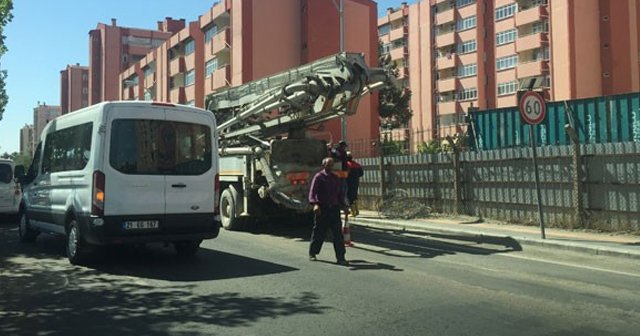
{"points": [[532, 108]]}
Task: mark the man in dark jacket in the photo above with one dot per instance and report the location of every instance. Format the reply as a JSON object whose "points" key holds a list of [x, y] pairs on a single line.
{"points": [[353, 182], [327, 197]]}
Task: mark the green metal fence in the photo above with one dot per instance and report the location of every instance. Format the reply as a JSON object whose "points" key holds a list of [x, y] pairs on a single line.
{"points": [[596, 120]]}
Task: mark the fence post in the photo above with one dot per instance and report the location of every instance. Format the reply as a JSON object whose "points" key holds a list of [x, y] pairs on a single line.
{"points": [[381, 168], [578, 199], [457, 188]]}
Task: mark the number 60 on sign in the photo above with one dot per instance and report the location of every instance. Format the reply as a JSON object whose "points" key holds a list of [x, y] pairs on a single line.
{"points": [[532, 108]]}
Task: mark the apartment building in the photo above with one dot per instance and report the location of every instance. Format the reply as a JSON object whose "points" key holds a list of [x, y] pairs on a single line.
{"points": [[42, 115], [112, 49], [237, 41], [74, 88], [461, 54], [26, 140]]}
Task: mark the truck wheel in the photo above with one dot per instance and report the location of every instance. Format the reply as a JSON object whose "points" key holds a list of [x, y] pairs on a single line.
{"points": [[26, 233], [187, 248], [77, 249], [229, 210]]}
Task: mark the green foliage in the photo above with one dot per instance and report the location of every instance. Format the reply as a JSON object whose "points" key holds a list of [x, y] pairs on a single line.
{"points": [[394, 147], [431, 147], [394, 101], [6, 6]]}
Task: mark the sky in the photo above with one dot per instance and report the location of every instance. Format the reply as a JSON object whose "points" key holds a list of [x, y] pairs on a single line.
{"points": [[45, 36]]}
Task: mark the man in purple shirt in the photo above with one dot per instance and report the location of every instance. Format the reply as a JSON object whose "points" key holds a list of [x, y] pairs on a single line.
{"points": [[327, 197]]}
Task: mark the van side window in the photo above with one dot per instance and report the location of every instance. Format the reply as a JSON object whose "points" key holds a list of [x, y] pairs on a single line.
{"points": [[67, 149], [35, 164]]}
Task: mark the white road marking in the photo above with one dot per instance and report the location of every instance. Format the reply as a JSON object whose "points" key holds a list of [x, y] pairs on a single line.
{"points": [[569, 265]]}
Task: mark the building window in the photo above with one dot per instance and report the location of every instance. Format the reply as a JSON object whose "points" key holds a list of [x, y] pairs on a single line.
{"points": [[189, 47], [148, 71], [210, 67], [466, 23], [85, 91], [462, 3], [148, 95], [466, 47], [85, 77], [506, 36], [190, 78], [210, 33], [467, 94], [540, 27], [507, 88], [506, 11], [467, 70], [384, 29], [191, 103], [386, 48], [507, 62]]}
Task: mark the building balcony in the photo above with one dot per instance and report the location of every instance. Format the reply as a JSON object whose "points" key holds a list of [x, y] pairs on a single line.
{"points": [[397, 15], [397, 53], [447, 62], [397, 33], [219, 79], [532, 69], [403, 72], [446, 17], [177, 65], [448, 107], [437, 2], [150, 80], [177, 96], [531, 41], [220, 42], [189, 93], [447, 84], [446, 39], [531, 15]]}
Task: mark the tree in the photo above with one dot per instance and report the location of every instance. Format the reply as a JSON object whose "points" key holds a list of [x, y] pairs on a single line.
{"points": [[6, 6], [394, 100]]}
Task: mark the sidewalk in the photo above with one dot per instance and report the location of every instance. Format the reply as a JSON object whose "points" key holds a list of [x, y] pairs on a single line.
{"points": [[620, 245]]}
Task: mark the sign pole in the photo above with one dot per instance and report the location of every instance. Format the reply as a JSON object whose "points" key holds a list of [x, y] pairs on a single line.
{"points": [[537, 180], [533, 110]]}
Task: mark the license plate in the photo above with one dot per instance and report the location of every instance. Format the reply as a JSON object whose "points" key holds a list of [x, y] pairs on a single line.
{"points": [[140, 225]]}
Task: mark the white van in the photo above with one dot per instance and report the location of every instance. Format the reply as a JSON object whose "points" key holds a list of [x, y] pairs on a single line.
{"points": [[10, 193], [124, 172]]}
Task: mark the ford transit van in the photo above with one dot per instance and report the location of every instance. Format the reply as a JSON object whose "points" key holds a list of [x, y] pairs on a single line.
{"points": [[124, 173]]}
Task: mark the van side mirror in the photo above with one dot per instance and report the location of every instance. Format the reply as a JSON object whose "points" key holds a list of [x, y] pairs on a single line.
{"points": [[18, 172]]}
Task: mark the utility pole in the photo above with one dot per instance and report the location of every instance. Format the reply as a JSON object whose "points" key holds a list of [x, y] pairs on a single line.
{"points": [[340, 7]]}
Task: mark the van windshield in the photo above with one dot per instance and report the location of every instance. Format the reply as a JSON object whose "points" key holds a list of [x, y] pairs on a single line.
{"points": [[160, 147]]}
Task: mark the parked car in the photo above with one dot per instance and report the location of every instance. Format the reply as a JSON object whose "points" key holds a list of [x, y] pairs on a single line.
{"points": [[124, 172], [10, 193]]}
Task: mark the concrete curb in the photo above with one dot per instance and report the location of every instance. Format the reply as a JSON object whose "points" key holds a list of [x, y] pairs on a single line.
{"points": [[561, 244]]}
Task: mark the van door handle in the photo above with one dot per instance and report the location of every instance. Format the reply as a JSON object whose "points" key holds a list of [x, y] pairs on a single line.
{"points": [[179, 185]]}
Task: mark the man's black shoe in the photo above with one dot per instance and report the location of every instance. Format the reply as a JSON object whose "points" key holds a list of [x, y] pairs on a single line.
{"points": [[313, 257], [343, 262]]}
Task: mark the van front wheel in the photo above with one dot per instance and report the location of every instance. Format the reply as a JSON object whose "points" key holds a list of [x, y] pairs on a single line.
{"points": [[26, 233], [77, 249]]}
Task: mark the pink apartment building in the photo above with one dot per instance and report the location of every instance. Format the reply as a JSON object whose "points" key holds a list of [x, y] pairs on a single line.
{"points": [[457, 54], [74, 88], [113, 49], [237, 41]]}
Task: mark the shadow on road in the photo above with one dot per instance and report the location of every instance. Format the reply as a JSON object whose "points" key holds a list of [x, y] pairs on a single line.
{"points": [[428, 245]]}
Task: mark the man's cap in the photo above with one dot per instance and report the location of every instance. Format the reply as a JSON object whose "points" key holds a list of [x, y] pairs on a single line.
{"points": [[342, 143]]}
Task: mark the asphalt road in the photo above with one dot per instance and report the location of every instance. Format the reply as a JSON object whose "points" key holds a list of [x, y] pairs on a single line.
{"points": [[261, 283]]}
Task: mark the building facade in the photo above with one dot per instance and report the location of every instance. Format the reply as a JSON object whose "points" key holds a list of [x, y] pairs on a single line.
{"points": [[461, 54], [237, 41], [74, 88], [26, 140], [112, 49], [42, 114]]}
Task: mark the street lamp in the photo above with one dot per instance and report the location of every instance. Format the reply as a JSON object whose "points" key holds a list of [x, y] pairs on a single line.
{"points": [[340, 7]]}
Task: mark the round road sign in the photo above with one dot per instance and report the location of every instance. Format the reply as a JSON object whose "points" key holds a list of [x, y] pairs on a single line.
{"points": [[532, 108]]}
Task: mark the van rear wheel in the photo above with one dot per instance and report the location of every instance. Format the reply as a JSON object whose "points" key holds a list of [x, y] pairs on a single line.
{"points": [[26, 233], [77, 249], [187, 248]]}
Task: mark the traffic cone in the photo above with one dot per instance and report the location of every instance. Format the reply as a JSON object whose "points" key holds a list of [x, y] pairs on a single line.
{"points": [[346, 232]]}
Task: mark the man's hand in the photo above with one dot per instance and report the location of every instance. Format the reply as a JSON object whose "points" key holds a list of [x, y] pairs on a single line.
{"points": [[316, 209]]}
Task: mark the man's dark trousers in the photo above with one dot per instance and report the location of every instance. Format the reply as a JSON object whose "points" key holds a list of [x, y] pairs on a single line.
{"points": [[329, 218]]}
